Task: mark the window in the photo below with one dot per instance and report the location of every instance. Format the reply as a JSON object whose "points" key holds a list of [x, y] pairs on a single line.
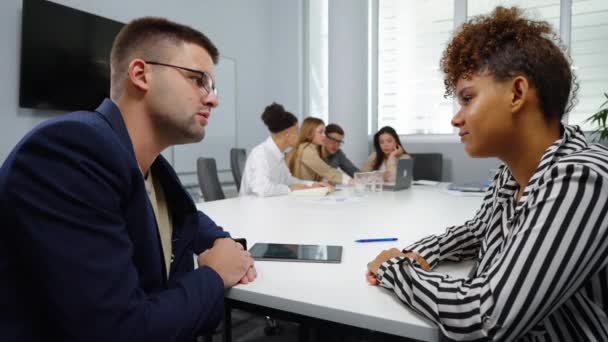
{"points": [[317, 43], [589, 47], [411, 37], [547, 10]]}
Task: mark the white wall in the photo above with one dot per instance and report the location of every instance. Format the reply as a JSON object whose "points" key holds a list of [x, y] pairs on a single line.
{"points": [[263, 37]]}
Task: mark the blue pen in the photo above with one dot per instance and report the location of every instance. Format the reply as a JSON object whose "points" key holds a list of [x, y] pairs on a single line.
{"points": [[376, 240]]}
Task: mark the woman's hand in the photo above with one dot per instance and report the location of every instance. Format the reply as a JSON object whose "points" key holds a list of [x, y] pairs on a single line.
{"points": [[321, 185], [386, 175], [374, 265], [398, 152], [294, 187], [387, 254]]}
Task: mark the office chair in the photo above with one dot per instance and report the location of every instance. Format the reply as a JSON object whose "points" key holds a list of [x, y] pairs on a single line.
{"points": [[208, 179], [238, 157], [428, 166]]}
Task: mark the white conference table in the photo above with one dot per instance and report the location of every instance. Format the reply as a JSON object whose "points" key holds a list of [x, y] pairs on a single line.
{"points": [[339, 292]]}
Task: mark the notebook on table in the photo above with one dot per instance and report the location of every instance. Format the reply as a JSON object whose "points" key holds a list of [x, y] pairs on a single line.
{"points": [[312, 192]]}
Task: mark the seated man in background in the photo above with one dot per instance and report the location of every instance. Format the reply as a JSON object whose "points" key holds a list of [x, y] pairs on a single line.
{"points": [[98, 233], [331, 152]]}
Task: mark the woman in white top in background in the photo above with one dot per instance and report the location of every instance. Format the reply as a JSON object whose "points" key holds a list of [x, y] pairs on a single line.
{"points": [[266, 173]]}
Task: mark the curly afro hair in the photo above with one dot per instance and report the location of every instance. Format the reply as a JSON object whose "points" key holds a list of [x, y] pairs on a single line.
{"points": [[505, 44]]}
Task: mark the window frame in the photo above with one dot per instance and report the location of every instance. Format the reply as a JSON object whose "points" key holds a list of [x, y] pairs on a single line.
{"points": [[460, 17]]}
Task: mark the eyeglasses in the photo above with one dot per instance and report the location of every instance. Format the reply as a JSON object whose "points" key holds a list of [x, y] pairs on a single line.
{"points": [[203, 80], [339, 142]]}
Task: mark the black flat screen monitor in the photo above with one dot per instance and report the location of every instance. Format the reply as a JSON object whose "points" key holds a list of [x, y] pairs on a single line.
{"points": [[65, 57]]}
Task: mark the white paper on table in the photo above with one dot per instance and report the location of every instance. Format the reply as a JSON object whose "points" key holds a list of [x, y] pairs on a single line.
{"points": [[312, 192]]}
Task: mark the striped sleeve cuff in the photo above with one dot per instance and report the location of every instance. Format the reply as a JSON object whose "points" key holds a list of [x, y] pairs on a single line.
{"points": [[426, 248]]}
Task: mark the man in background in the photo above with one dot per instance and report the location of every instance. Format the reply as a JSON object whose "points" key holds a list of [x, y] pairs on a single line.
{"points": [[332, 154]]}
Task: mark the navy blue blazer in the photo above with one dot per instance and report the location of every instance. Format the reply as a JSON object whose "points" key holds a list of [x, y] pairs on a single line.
{"points": [[80, 253]]}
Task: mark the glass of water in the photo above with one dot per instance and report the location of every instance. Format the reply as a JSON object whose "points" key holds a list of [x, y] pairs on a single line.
{"points": [[378, 181], [364, 182]]}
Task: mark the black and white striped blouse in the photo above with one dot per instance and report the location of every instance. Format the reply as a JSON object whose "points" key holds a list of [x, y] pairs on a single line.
{"points": [[542, 265]]}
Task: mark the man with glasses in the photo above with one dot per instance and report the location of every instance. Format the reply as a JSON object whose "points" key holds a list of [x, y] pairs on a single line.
{"points": [[100, 234], [332, 154]]}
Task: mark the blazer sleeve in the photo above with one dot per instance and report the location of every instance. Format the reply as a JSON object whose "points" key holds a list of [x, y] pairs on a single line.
{"points": [[208, 232], [68, 183], [347, 165], [312, 160]]}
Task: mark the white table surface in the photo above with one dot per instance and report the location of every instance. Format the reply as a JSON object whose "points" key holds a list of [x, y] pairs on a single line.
{"points": [[339, 292]]}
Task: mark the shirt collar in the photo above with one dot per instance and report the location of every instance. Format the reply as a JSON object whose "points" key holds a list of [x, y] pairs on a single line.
{"points": [[571, 140], [272, 147]]}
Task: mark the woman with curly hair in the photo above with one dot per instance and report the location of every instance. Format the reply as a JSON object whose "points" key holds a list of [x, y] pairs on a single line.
{"points": [[540, 238]]}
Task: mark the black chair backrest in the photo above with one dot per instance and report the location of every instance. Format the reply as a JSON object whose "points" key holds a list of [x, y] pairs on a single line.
{"points": [[238, 157], [428, 166], [208, 179]]}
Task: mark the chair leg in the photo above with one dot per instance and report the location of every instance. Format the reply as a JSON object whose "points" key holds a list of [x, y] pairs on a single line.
{"points": [[272, 327], [227, 333]]}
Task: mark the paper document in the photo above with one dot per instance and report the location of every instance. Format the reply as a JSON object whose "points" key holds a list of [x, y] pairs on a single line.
{"points": [[312, 192]]}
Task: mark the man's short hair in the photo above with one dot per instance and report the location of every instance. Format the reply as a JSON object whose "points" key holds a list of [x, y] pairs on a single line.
{"points": [[148, 38], [333, 128]]}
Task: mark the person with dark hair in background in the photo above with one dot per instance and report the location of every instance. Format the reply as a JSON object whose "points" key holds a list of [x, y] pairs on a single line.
{"points": [[99, 234], [266, 173], [540, 238], [387, 150], [332, 153]]}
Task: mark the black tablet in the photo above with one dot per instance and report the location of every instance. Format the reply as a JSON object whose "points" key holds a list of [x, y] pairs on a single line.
{"points": [[293, 252]]}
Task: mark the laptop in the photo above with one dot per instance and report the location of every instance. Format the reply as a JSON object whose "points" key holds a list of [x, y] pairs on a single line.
{"points": [[404, 176]]}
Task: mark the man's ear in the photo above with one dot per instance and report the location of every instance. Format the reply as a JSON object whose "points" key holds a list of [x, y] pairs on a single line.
{"points": [[520, 90], [137, 74]]}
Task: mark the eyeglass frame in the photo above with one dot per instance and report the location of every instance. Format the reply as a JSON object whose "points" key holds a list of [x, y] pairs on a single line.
{"points": [[339, 142], [202, 73]]}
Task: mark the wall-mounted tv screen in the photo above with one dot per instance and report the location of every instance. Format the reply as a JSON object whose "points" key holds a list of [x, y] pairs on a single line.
{"points": [[65, 57]]}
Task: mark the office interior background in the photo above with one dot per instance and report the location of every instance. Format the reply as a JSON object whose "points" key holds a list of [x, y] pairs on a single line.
{"points": [[360, 63]]}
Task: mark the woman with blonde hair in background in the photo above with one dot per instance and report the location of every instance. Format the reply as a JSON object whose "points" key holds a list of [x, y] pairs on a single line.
{"points": [[305, 161]]}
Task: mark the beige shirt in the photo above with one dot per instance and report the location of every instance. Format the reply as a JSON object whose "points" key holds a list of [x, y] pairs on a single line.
{"points": [[310, 166], [163, 219], [390, 165]]}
